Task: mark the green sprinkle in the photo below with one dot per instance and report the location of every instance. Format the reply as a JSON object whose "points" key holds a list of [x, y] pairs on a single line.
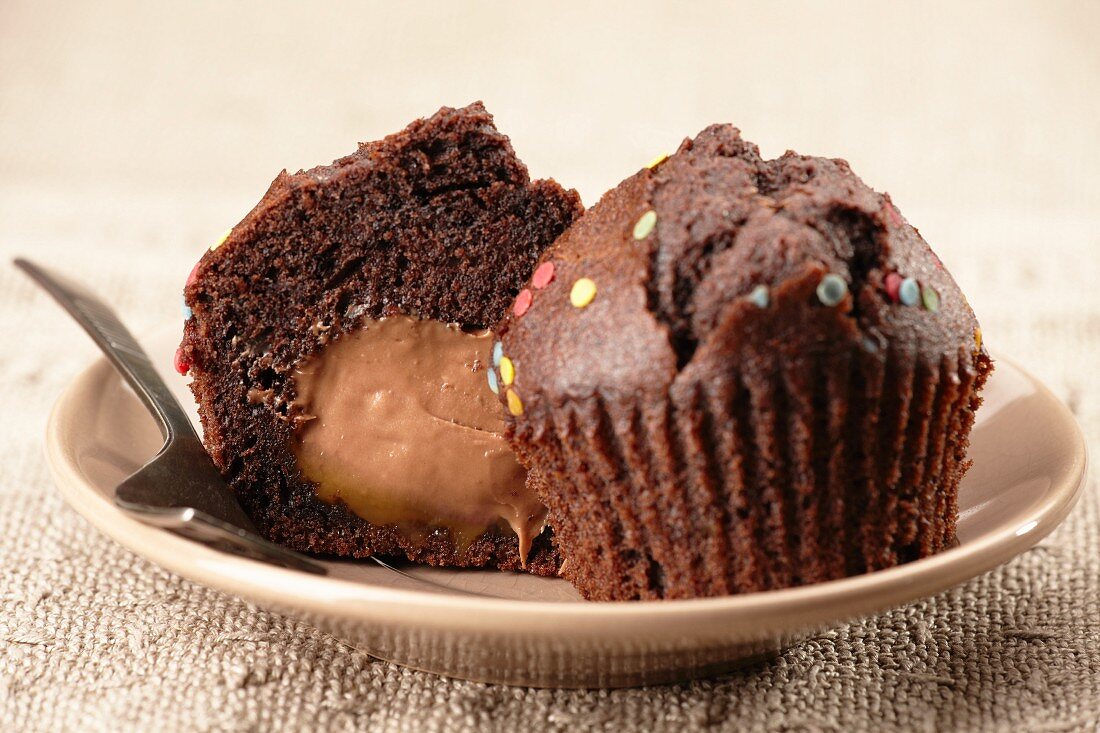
{"points": [[645, 225], [831, 290], [931, 298], [759, 296], [909, 292]]}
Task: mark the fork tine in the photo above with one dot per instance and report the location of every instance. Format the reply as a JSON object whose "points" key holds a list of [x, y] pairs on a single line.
{"points": [[182, 475]]}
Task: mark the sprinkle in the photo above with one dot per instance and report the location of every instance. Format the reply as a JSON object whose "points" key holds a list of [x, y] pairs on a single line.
{"points": [[870, 345], [507, 371], [930, 298], [657, 161], [544, 274], [523, 302], [221, 239], [194, 273], [893, 284], [515, 404], [892, 213], [187, 312], [498, 353], [832, 289], [493, 383], [644, 226], [583, 292], [759, 296], [909, 292], [179, 361], [977, 339]]}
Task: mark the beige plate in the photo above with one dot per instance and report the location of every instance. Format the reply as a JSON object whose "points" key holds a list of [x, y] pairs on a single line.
{"points": [[1029, 466]]}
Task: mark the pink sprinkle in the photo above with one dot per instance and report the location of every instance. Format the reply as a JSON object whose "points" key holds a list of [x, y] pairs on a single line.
{"points": [[180, 362], [194, 273], [892, 213], [893, 286], [523, 302], [544, 273]]}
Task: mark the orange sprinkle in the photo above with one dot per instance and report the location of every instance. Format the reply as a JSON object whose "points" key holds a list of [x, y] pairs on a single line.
{"points": [[523, 302], [515, 404], [544, 274]]}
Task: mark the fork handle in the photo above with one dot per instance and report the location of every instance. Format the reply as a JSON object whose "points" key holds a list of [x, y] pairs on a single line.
{"points": [[118, 345]]}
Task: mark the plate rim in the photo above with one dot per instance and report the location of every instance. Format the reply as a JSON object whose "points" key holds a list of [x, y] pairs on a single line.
{"points": [[742, 616]]}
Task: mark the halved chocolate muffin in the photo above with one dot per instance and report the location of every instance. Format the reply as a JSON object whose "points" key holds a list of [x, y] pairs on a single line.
{"points": [[338, 345], [735, 374]]}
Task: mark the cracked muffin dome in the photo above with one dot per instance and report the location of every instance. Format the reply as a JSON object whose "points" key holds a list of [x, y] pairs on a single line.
{"points": [[735, 374], [338, 343]]}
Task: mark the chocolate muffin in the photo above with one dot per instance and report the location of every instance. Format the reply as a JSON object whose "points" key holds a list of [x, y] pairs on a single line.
{"points": [[735, 374], [338, 345]]}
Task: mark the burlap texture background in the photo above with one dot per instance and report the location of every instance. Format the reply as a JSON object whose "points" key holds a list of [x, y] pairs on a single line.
{"points": [[130, 136]]}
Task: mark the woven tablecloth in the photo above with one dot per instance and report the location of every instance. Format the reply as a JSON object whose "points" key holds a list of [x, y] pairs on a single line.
{"points": [[132, 134]]}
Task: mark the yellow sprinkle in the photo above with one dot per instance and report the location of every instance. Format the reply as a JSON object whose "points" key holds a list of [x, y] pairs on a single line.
{"points": [[515, 404], [507, 370], [978, 339], [221, 239], [583, 292], [645, 224], [657, 161]]}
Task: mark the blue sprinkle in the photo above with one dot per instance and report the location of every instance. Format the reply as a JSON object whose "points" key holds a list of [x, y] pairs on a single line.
{"points": [[498, 353], [870, 345], [759, 296], [187, 312], [909, 292], [493, 384], [832, 289]]}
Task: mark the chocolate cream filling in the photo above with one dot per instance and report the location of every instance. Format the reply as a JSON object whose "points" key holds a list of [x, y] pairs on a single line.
{"points": [[398, 422]]}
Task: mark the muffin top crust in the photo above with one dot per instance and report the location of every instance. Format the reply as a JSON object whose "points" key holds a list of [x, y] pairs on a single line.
{"points": [[701, 254]]}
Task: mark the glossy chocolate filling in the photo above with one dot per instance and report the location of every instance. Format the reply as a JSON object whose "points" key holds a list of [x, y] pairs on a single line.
{"points": [[397, 422]]}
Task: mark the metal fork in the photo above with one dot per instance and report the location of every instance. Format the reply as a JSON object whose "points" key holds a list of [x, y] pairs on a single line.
{"points": [[180, 489]]}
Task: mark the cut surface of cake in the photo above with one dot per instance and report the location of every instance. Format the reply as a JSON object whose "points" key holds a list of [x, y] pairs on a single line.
{"points": [[338, 345]]}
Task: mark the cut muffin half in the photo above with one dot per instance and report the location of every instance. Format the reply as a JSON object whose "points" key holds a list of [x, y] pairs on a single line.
{"points": [[338, 345]]}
